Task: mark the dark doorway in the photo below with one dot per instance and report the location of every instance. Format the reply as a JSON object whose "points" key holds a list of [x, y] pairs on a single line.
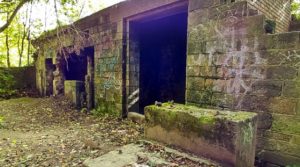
{"points": [[80, 67], [76, 67], [162, 45]]}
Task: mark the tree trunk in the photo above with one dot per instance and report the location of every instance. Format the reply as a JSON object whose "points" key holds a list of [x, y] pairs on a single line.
{"points": [[7, 50], [28, 37], [24, 35], [7, 46], [28, 49], [21, 50]]}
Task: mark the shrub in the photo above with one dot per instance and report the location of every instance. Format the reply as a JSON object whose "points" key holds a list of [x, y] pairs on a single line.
{"points": [[6, 80], [295, 8], [6, 84]]}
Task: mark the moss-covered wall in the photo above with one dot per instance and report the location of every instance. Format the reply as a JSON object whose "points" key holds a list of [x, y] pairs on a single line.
{"points": [[233, 64]]}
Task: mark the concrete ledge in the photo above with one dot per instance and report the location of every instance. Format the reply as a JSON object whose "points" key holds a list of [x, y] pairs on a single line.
{"points": [[223, 136]]}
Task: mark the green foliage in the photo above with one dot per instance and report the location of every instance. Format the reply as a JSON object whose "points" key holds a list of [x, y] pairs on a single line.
{"points": [[295, 8], [6, 84], [6, 80], [14, 40], [105, 109]]}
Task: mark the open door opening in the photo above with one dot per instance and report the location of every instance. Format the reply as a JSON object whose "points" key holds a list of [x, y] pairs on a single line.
{"points": [[76, 67], [78, 74], [157, 54]]}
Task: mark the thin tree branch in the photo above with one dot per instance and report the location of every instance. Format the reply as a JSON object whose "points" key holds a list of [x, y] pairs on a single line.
{"points": [[23, 2]]}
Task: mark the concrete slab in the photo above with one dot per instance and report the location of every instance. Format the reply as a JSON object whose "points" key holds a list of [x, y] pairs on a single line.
{"points": [[146, 154], [117, 158]]}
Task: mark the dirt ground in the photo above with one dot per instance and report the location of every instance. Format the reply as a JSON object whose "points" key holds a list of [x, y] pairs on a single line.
{"points": [[49, 132]]}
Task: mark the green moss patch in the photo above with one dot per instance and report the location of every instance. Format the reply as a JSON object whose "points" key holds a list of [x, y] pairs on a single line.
{"points": [[207, 123], [204, 114]]}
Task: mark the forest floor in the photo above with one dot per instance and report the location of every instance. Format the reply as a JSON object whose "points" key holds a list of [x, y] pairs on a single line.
{"points": [[50, 132]]}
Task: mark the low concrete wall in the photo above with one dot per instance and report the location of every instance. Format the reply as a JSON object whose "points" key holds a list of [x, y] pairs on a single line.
{"points": [[223, 136], [24, 77]]}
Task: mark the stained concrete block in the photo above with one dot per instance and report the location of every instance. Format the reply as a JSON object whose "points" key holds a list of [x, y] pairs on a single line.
{"points": [[223, 136], [73, 91]]}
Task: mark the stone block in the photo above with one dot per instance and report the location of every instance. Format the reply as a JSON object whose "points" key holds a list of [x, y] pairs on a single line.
{"points": [[281, 72], [196, 4], [295, 139], [219, 85], [246, 59], [199, 60], [280, 146], [286, 106], [281, 57], [224, 136], [196, 45], [222, 100], [286, 124], [221, 30], [291, 89], [268, 88], [252, 102], [289, 40], [277, 136], [74, 91], [195, 83], [201, 97], [237, 10], [193, 71], [208, 72]]}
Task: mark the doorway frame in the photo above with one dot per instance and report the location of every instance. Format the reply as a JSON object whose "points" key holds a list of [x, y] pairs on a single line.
{"points": [[153, 14]]}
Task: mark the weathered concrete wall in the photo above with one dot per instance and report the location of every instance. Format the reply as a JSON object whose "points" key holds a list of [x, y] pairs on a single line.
{"points": [[233, 64], [24, 77], [276, 10], [104, 31]]}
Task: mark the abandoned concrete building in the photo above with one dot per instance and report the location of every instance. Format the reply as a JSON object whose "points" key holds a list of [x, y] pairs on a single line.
{"points": [[216, 54]]}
